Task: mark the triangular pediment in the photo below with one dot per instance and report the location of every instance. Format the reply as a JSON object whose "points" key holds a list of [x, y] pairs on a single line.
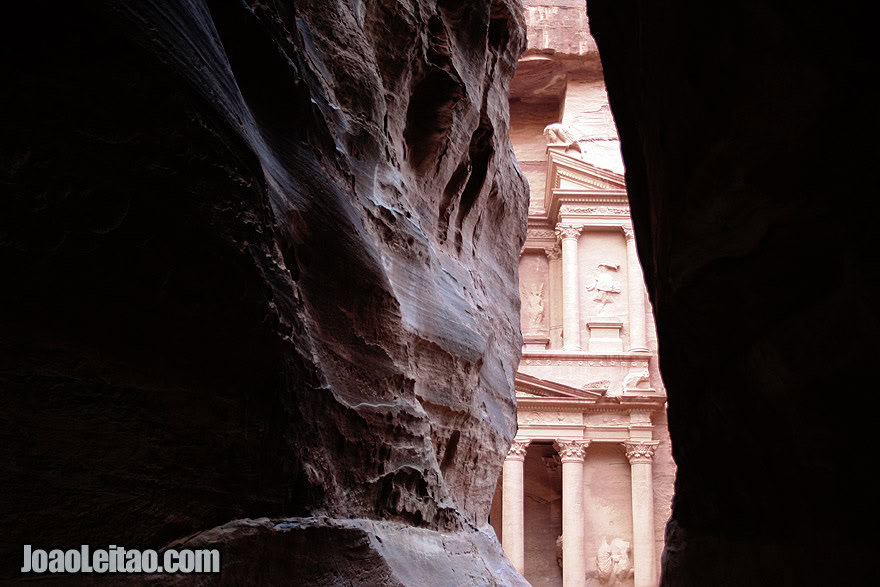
{"points": [[528, 386], [568, 172]]}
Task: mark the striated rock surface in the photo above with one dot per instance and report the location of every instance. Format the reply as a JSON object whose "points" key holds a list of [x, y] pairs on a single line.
{"points": [[749, 136], [260, 262]]}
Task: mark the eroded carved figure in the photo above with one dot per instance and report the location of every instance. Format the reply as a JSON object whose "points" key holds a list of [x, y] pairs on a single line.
{"points": [[604, 284], [635, 378], [597, 385], [558, 134], [612, 562], [533, 308], [559, 551]]}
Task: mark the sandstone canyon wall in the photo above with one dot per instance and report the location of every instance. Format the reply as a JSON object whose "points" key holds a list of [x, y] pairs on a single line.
{"points": [[749, 135], [260, 283]]}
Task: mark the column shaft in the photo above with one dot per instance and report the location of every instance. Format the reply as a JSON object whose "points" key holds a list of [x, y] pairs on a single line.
{"points": [[640, 456], [554, 305], [636, 295], [573, 556], [571, 331], [512, 513]]}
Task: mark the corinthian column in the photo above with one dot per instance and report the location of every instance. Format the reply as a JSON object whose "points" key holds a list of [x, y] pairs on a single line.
{"points": [[571, 331], [635, 286], [554, 277], [512, 505], [571, 453], [641, 455]]}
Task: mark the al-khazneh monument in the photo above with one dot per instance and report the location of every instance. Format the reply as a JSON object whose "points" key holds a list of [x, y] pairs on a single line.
{"points": [[586, 488]]}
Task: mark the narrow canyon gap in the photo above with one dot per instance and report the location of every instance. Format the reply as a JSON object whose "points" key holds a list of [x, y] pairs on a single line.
{"points": [[749, 131], [260, 283]]}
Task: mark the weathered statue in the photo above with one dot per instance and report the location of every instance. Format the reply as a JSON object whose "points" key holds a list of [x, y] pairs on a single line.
{"points": [[558, 134], [612, 562], [533, 308], [634, 378], [604, 284]]}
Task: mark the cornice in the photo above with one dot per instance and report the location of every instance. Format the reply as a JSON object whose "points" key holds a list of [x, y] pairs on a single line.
{"points": [[604, 405], [558, 357]]}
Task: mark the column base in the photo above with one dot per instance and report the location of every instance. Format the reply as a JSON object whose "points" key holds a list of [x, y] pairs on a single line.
{"points": [[605, 335], [535, 342]]}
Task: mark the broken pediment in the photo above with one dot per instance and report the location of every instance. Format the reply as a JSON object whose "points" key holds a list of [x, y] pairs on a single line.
{"points": [[567, 171], [528, 386], [570, 180]]}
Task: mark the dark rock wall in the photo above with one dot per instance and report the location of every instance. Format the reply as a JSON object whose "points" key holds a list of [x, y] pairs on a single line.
{"points": [[259, 260], [749, 136]]}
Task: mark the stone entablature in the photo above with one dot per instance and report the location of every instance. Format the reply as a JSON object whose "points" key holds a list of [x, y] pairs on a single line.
{"points": [[551, 411]]}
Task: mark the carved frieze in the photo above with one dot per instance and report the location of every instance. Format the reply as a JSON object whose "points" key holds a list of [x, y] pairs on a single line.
{"points": [[540, 234], [594, 210], [558, 362], [549, 418]]}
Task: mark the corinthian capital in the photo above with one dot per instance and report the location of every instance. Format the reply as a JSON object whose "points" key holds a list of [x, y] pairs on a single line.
{"points": [[628, 233], [565, 231], [640, 451], [571, 451], [517, 450]]}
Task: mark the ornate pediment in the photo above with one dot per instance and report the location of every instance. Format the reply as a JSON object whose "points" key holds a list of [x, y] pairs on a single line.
{"points": [[566, 171], [575, 182], [528, 386]]}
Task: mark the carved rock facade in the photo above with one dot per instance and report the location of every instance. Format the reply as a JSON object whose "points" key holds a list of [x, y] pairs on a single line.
{"points": [[597, 466]]}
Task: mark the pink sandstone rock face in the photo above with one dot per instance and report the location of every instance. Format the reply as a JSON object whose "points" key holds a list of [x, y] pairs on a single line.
{"points": [[262, 284]]}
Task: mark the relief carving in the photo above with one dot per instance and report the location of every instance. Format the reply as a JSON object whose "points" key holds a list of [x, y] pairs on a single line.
{"points": [[553, 465], [634, 379], [540, 233], [553, 253], [558, 134], [613, 562], [601, 384], [605, 286], [533, 308], [596, 210]]}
